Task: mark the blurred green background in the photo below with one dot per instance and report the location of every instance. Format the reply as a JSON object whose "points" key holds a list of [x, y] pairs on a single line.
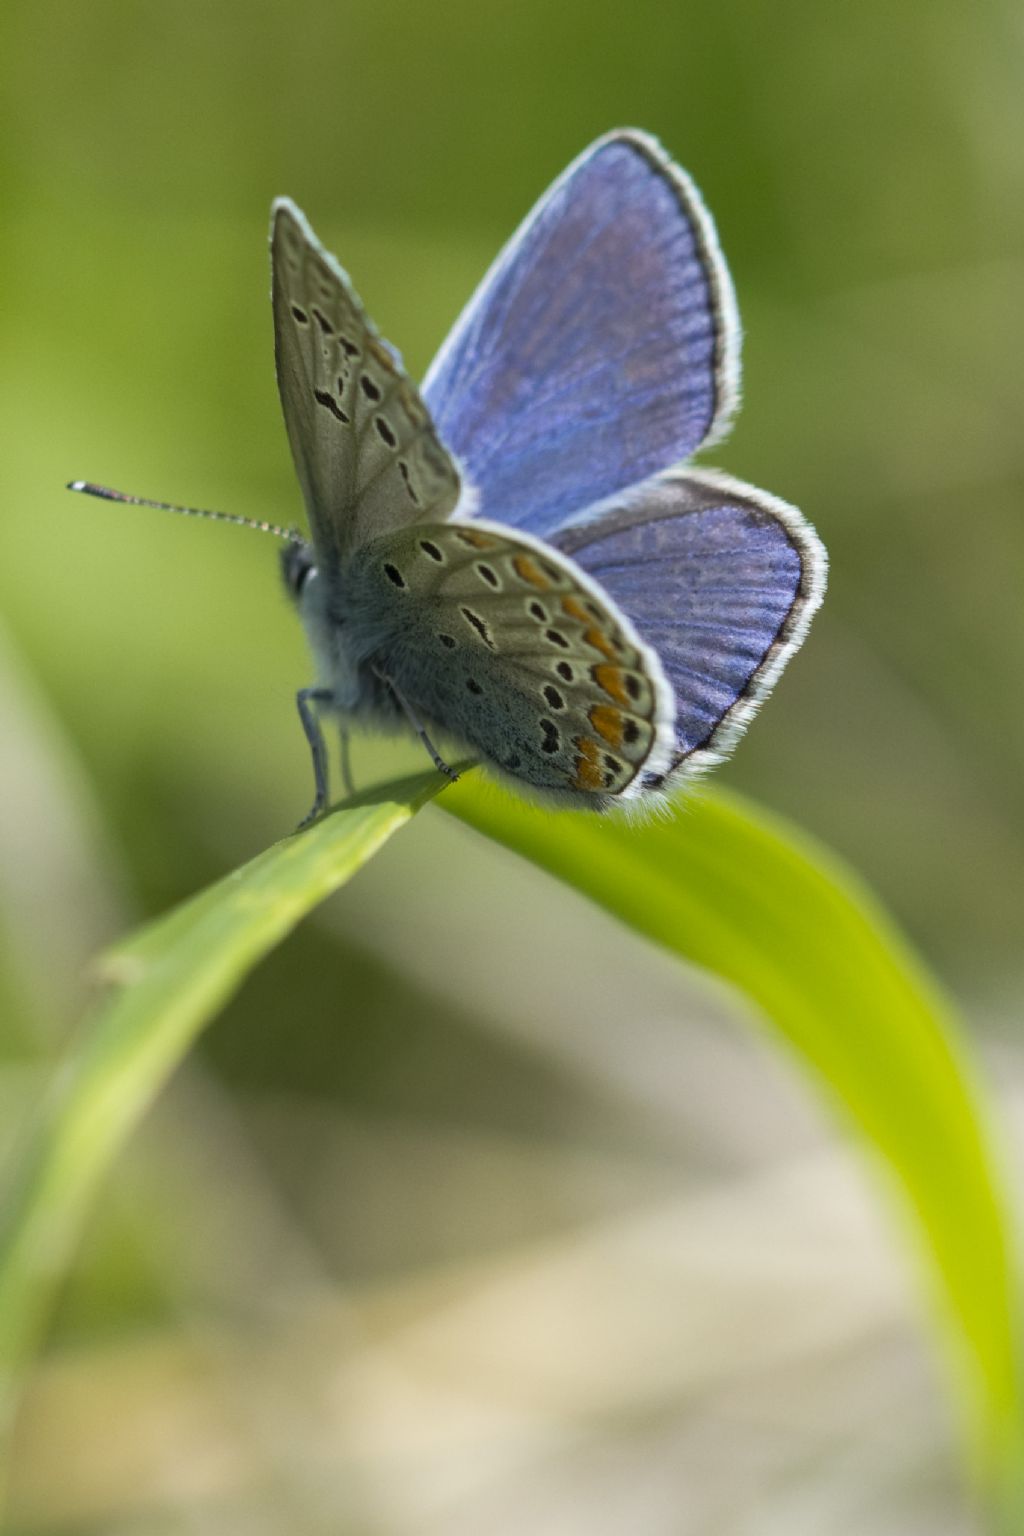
{"points": [[474, 1213]]}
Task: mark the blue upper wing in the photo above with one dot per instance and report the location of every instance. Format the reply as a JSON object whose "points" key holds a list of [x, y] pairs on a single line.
{"points": [[720, 579], [601, 347]]}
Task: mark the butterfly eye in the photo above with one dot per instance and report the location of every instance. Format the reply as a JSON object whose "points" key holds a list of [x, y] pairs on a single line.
{"points": [[297, 566]]}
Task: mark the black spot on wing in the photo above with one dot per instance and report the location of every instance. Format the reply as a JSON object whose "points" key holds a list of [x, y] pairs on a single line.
{"points": [[403, 466], [326, 399], [551, 741], [476, 622]]}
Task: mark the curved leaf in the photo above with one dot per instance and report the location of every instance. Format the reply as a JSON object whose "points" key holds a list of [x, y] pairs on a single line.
{"points": [[755, 902], [727, 888]]}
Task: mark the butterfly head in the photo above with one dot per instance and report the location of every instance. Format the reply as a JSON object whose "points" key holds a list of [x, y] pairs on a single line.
{"points": [[297, 566]]}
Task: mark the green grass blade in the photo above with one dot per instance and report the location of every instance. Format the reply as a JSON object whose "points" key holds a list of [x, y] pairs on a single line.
{"points": [[165, 983], [724, 887], [748, 898]]}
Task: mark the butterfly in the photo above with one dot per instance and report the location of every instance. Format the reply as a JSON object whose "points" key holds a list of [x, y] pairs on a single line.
{"points": [[517, 555]]}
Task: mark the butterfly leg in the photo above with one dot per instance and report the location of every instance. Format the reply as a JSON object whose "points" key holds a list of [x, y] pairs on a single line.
{"points": [[435, 756], [346, 762], [307, 699]]}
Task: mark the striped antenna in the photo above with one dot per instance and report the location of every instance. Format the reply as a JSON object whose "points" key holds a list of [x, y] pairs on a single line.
{"points": [[291, 535]]}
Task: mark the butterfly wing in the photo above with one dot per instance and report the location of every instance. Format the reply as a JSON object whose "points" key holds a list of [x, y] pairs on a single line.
{"points": [[365, 448], [507, 645], [721, 580], [602, 346]]}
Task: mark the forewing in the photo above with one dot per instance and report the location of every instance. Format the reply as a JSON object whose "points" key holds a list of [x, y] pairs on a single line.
{"points": [[601, 347], [366, 452], [509, 647], [721, 580]]}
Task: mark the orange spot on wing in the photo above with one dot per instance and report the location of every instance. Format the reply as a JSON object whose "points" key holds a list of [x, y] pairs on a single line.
{"points": [[529, 570], [477, 540], [611, 679], [601, 642], [588, 774], [608, 723], [575, 609], [381, 355]]}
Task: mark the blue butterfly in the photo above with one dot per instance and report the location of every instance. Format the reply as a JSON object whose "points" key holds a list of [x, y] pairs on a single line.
{"points": [[516, 556]]}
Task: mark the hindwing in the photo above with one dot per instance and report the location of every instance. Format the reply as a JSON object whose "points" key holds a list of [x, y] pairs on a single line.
{"points": [[510, 647]]}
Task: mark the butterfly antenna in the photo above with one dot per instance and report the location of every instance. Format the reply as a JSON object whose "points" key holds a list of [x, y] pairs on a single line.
{"points": [[292, 535]]}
